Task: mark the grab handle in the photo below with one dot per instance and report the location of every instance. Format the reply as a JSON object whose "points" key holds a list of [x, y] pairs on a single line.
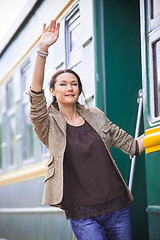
{"points": [[140, 101]]}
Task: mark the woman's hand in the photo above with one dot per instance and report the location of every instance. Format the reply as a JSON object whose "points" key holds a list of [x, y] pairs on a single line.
{"points": [[49, 36], [140, 144]]}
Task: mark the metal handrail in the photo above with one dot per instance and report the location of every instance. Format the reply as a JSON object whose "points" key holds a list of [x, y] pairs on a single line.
{"points": [[140, 101]]}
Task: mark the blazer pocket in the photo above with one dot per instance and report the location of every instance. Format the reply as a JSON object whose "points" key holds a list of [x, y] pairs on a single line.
{"points": [[50, 173], [106, 128]]}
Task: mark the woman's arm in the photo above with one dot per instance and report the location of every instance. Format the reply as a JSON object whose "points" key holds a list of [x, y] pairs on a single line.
{"points": [[118, 137], [38, 105], [140, 144], [48, 38]]}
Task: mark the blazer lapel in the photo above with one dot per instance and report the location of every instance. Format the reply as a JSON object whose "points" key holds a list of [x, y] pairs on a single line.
{"points": [[85, 113], [60, 120]]}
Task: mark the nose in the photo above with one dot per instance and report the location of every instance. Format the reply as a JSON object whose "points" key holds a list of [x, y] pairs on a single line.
{"points": [[69, 87]]}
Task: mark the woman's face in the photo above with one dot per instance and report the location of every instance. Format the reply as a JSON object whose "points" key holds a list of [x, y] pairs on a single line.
{"points": [[66, 89]]}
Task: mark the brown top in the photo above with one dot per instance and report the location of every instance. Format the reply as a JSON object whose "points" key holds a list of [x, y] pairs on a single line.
{"points": [[89, 174], [50, 128]]}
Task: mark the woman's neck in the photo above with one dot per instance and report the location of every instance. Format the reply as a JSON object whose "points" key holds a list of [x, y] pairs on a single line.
{"points": [[69, 112], [71, 115]]}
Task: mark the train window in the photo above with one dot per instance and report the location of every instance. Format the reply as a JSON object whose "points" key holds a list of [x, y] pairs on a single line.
{"points": [[4, 139], [10, 123], [10, 97], [156, 72], [28, 134], [73, 38], [0, 101], [0, 132], [155, 8], [27, 128], [0, 144], [44, 150], [18, 119], [153, 14]]}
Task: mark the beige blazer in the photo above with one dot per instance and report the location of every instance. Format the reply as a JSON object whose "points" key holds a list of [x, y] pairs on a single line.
{"points": [[50, 127]]}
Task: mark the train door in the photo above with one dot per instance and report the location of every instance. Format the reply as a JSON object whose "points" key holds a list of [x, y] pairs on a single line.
{"points": [[150, 42]]}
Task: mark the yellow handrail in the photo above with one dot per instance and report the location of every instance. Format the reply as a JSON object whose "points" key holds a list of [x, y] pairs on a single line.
{"points": [[152, 140]]}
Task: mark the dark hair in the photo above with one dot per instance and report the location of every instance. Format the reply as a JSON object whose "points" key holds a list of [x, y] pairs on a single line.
{"points": [[53, 81]]}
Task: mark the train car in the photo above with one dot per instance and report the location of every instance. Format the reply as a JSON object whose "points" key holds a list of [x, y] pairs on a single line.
{"points": [[150, 52], [114, 47], [23, 156]]}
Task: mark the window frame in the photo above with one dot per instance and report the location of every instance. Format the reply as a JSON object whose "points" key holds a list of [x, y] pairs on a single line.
{"points": [[10, 112], [152, 22], [153, 37], [24, 102], [1, 162], [72, 20], [46, 87]]}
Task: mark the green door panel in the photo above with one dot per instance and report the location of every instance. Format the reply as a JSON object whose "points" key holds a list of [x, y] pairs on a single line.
{"points": [[118, 72]]}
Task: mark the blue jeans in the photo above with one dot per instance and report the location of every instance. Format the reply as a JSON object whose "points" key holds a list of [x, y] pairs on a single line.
{"points": [[111, 226]]}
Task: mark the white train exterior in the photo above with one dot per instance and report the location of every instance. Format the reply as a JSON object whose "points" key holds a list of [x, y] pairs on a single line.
{"points": [[114, 47]]}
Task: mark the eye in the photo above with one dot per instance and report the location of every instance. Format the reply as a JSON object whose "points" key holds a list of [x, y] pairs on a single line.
{"points": [[62, 84], [74, 84]]}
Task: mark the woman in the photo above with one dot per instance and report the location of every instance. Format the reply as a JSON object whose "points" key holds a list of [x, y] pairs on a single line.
{"points": [[82, 177]]}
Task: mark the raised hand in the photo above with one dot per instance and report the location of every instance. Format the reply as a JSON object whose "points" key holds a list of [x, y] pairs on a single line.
{"points": [[49, 36]]}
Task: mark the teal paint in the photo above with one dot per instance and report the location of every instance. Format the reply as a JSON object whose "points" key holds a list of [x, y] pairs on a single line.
{"points": [[152, 159], [122, 58], [100, 88]]}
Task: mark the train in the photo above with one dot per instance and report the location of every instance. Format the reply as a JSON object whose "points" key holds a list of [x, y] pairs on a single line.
{"points": [[115, 48]]}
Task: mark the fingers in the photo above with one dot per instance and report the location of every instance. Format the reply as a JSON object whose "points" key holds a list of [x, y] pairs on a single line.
{"points": [[57, 30], [44, 27], [52, 27], [57, 27]]}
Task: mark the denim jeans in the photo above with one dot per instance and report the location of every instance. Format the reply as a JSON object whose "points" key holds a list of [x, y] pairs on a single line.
{"points": [[111, 226]]}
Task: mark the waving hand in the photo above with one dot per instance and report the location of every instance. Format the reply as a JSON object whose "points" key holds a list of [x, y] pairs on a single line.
{"points": [[50, 35]]}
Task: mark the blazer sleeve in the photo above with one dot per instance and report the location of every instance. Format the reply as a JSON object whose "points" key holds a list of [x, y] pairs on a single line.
{"points": [[120, 138], [39, 115]]}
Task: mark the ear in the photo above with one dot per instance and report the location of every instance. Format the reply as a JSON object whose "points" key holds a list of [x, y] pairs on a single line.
{"points": [[52, 92]]}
